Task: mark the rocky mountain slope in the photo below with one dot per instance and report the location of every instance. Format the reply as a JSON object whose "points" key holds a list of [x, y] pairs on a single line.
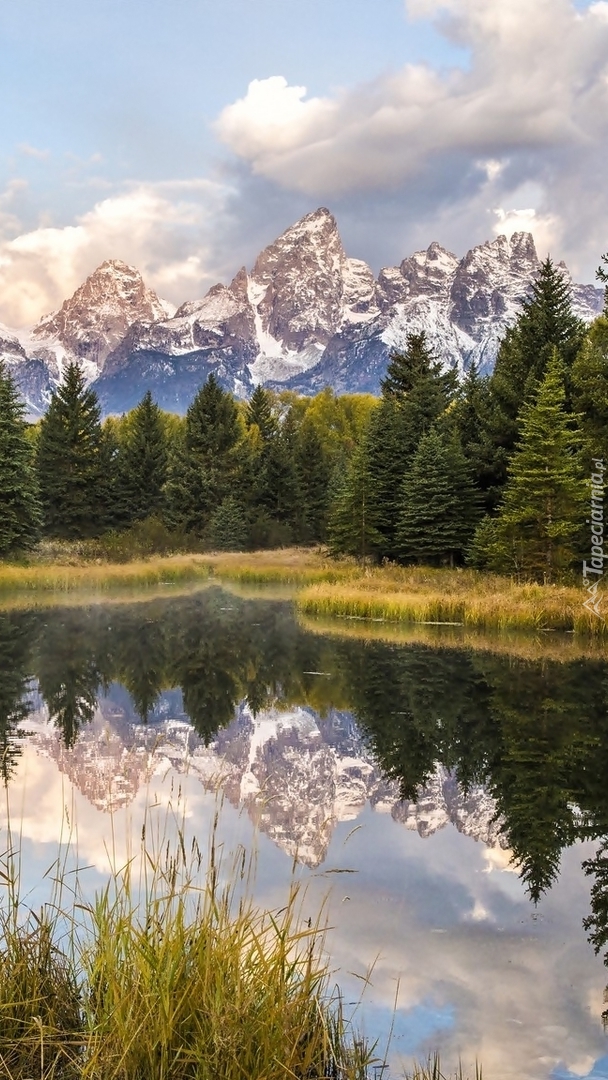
{"points": [[306, 316], [296, 773]]}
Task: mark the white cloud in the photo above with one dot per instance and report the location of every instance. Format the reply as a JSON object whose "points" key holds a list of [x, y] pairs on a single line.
{"points": [[531, 104], [545, 227], [33, 152], [165, 230]]}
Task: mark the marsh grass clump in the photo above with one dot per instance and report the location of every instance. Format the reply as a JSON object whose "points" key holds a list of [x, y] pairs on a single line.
{"points": [[171, 974], [41, 1019], [467, 598], [431, 1070]]}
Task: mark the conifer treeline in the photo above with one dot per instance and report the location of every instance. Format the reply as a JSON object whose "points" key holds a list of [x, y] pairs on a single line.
{"points": [[493, 471], [228, 475]]}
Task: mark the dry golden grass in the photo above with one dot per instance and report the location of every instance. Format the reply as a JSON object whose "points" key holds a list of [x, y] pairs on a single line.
{"points": [[285, 566], [169, 973], [467, 598]]}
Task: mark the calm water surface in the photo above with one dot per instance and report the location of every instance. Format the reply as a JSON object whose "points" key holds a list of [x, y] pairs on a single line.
{"points": [[459, 792]]}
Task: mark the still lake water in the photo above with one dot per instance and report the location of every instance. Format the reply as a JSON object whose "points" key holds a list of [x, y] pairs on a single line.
{"points": [[420, 772]]}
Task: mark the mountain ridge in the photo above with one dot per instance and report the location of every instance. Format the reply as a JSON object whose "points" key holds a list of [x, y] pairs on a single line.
{"points": [[306, 316]]}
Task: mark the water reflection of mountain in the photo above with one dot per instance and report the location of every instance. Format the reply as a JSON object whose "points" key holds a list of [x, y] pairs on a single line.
{"points": [[375, 723], [297, 773]]}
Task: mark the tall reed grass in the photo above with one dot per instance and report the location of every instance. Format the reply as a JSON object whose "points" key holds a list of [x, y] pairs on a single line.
{"points": [[563, 647], [328, 587], [431, 1070], [169, 975]]}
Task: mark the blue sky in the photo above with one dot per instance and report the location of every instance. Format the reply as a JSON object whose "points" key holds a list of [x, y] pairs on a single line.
{"points": [[182, 136]]}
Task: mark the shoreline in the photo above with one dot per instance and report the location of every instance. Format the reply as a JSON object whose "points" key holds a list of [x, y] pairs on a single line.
{"points": [[325, 589]]}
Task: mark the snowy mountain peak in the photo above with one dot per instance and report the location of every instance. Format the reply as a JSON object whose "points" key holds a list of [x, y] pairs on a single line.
{"points": [[97, 317]]}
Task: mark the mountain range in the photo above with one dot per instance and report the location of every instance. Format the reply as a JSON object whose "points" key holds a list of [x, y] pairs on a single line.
{"points": [[305, 317]]}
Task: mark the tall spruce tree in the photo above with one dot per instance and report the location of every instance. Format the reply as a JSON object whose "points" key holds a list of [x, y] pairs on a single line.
{"points": [[314, 472], [142, 463], [352, 527], [602, 275], [260, 412], [543, 506], [472, 420], [204, 466], [280, 489], [439, 502], [546, 323], [416, 392], [72, 464], [20, 517]]}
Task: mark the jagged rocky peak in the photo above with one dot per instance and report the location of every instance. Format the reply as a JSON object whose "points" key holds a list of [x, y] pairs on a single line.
{"points": [[11, 348], [221, 320], [359, 291], [425, 273], [97, 317], [297, 283], [429, 272], [218, 302], [491, 281]]}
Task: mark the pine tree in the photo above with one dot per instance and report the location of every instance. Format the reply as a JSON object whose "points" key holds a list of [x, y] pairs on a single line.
{"points": [[352, 529], [280, 490], [72, 467], [590, 389], [405, 369], [415, 393], [602, 275], [260, 412], [472, 419], [15, 679], [19, 504], [439, 503], [597, 922], [545, 323], [228, 527], [203, 470], [314, 473], [142, 463], [543, 504]]}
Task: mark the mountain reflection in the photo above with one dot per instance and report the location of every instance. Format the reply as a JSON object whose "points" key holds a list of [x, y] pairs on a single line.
{"points": [[533, 735]]}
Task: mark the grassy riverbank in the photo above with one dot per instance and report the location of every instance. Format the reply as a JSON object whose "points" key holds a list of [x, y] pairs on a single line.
{"points": [[71, 572], [328, 588], [466, 598]]}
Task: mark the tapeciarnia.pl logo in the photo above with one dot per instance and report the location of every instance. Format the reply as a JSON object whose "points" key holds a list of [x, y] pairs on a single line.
{"points": [[593, 571]]}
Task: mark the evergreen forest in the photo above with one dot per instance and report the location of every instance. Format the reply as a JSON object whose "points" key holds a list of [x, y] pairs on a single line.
{"points": [[493, 471]]}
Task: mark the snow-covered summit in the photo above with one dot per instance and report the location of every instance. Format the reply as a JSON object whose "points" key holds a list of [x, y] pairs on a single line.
{"points": [[92, 322]]}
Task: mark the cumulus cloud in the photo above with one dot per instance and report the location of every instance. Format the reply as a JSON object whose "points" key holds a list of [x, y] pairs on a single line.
{"points": [[166, 230], [531, 103]]}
